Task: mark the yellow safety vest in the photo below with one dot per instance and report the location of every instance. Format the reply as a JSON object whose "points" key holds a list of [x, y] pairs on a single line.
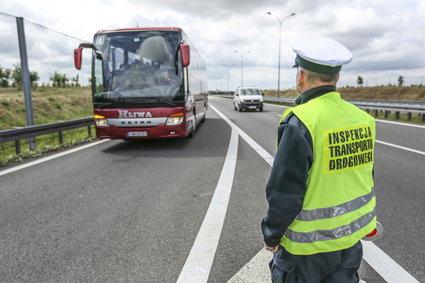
{"points": [[339, 204]]}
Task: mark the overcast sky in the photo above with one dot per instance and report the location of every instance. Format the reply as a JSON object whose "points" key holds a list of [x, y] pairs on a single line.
{"points": [[386, 37]]}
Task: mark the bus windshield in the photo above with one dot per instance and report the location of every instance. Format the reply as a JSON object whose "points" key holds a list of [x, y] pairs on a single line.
{"points": [[137, 66]]}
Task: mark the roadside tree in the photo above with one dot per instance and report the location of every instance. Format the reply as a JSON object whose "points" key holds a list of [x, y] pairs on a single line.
{"points": [[4, 76], [400, 80], [360, 81]]}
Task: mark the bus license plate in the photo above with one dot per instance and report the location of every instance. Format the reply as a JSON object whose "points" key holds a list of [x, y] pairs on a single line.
{"points": [[137, 134]]}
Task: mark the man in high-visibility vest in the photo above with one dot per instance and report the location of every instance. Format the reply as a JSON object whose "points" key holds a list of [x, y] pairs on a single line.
{"points": [[320, 190]]}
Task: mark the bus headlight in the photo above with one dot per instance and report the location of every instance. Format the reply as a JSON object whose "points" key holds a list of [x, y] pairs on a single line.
{"points": [[100, 121], [175, 119]]}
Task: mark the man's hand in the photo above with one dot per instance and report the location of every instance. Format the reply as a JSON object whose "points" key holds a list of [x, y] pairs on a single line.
{"points": [[272, 249]]}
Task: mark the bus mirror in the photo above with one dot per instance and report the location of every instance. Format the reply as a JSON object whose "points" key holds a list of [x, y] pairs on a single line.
{"points": [[78, 56], [185, 54]]}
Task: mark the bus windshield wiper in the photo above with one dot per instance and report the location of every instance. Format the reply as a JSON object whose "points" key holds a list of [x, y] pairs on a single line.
{"points": [[116, 95], [156, 99], [101, 104], [167, 102]]}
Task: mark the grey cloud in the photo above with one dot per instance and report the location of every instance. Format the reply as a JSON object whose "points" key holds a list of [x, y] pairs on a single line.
{"points": [[218, 9], [379, 34], [9, 46]]}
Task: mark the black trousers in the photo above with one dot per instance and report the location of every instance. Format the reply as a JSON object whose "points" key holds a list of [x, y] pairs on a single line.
{"points": [[333, 267]]}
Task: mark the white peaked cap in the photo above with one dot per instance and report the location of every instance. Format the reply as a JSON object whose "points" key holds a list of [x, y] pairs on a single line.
{"points": [[320, 54]]}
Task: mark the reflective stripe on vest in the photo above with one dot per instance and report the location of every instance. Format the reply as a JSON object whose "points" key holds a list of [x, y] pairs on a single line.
{"points": [[325, 235], [339, 204], [329, 212]]}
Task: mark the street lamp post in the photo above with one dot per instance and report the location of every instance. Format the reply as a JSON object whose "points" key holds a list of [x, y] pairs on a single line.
{"points": [[280, 20], [241, 65]]}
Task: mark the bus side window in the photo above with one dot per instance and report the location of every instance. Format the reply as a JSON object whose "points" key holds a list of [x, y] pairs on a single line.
{"points": [[98, 76]]}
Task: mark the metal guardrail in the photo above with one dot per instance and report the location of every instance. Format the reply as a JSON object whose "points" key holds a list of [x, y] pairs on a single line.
{"points": [[409, 107], [38, 130], [385, 106]]}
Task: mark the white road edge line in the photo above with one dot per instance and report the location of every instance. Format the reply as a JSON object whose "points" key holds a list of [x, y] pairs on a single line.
{"points": [[41, 160], [198, 264], [400, 147], [401, 124], [375, 257]]}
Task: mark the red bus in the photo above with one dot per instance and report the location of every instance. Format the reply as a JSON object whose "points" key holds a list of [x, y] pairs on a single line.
{"points": [[146, 83]]}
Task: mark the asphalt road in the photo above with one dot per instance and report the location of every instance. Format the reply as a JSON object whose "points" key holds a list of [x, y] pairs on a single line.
{"points": [[130, 211]]}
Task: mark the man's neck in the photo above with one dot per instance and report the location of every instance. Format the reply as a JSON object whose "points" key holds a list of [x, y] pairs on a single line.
{"points": [[312, 93], [315, 85]]}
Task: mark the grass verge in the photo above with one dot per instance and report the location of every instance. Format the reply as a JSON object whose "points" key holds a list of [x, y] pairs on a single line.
{"points": [[44, 143]]}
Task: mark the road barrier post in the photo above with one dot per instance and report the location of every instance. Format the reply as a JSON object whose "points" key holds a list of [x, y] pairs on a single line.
{"points": [[26, 85]]}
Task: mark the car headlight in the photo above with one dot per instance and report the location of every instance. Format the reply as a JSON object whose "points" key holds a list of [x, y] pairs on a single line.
{"points": [[242, 100], [100, 120], [261, 100], [175, 119]]}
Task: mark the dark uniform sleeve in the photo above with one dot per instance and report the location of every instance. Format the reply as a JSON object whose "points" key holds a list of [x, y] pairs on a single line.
{"points": [[287, 184]]}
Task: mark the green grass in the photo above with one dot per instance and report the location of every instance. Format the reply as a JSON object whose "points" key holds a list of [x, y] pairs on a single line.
{"points": [[49, 105]]}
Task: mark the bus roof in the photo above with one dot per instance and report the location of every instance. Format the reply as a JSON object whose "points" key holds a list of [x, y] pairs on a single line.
{"points": [[140, 29]]}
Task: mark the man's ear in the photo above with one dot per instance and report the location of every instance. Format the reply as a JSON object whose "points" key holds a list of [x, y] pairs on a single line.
{"points": [[300, 77]]}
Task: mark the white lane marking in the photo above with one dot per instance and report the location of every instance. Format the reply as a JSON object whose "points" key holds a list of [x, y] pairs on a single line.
{"points": [[198, 264], [400, 147], [385, 265], [261, 151], [41, 160], [370, 248], [255, 271], [401, 124]]}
